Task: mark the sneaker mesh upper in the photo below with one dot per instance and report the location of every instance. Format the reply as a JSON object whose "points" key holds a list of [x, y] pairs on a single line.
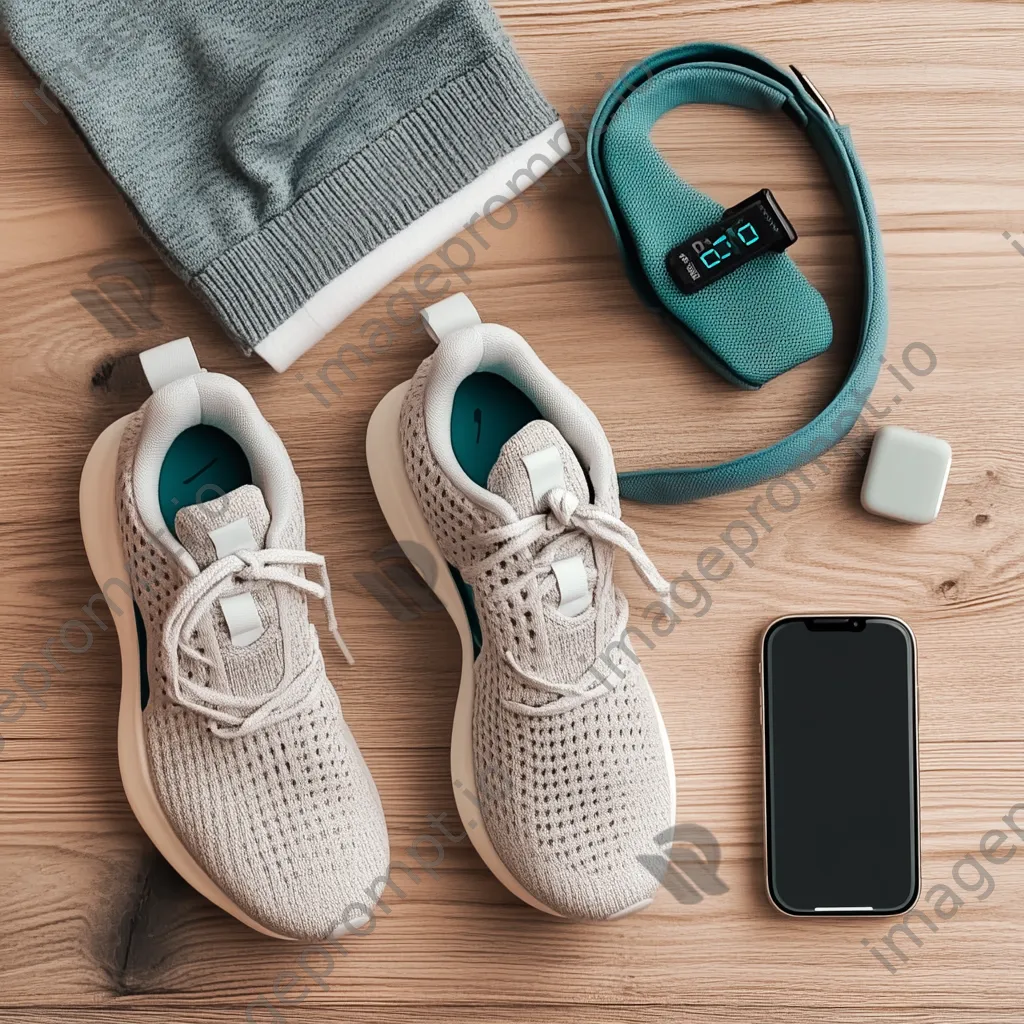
{"points": [[569, 800], [286, 820]]}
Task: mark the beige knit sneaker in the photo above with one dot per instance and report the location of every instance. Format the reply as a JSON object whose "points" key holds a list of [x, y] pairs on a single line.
{"points": [[233, 750], [561, 765]]}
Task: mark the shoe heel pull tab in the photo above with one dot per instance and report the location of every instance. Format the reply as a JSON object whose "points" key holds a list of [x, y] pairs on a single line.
{"points": [[450, 314], [169, 362]]}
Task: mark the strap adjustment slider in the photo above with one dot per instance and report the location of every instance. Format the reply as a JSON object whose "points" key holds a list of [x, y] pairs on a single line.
{"points": [[814, 92]]}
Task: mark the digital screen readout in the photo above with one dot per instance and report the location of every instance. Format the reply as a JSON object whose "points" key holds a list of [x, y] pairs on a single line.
{"points": [[755, 226]]}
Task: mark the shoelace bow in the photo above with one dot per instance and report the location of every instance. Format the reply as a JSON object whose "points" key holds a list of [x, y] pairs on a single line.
{"points": [[230, 715], [565, 513]]}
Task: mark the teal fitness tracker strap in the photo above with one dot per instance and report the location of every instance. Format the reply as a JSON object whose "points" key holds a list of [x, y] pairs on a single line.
{"points": [[765, 317]]}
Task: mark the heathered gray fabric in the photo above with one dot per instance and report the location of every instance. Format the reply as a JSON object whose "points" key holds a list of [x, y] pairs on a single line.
{"points": [[286, 820], [267, 145], [572, 799]]}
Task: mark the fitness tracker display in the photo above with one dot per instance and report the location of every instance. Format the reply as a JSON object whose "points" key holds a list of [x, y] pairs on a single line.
{"points": [[744, 232]]}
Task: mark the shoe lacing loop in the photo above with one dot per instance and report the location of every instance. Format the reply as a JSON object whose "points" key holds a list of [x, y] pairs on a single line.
{"points": [[562, 513]]}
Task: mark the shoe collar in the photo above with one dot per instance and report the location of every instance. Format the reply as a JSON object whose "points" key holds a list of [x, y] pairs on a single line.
{"points": [[219, 401], [492, 348]]}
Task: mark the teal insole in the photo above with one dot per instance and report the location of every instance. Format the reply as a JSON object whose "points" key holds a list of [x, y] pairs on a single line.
{"points": [[202, 464], [486, 412]]}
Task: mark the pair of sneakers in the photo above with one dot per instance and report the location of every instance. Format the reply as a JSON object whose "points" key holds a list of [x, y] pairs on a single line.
{"points": [[233, 750]]}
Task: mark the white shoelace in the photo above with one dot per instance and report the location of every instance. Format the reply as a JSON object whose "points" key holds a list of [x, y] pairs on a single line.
{"points": [[565, 513], [230, 715]]}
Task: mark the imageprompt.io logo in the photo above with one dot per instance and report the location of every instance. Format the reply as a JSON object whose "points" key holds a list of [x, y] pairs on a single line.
{"points": [[122, 300], [688, 865], [401, 583]]}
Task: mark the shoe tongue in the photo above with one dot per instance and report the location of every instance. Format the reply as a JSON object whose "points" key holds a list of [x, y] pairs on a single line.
{"points": [[531, 463], [234, 519], [237, 521]]}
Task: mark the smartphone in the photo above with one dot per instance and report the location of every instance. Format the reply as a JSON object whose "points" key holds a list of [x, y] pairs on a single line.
{"points": [[841, 806]]}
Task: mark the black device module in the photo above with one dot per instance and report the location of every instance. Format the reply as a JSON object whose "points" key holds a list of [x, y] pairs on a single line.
{"points": [[744, 232]]}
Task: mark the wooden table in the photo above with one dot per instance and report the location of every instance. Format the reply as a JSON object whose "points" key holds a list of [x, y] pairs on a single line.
{"points": [[93, 924]]}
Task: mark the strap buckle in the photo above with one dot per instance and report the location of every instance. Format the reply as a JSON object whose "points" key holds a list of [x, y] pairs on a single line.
{"points": [[814, 92]]}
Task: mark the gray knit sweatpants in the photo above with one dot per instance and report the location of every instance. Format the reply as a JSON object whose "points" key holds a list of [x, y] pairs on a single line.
{"points": [[271, 148]]}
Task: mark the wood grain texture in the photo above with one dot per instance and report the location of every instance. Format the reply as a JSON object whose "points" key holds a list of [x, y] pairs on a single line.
{"points": [[95, 926]]}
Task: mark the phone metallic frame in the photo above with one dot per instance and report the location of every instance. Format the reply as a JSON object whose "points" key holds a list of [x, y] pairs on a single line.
{"points": [[763, 728]]}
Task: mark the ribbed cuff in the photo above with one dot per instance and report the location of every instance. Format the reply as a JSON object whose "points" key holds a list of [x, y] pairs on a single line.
{"points": [[431, 153]]}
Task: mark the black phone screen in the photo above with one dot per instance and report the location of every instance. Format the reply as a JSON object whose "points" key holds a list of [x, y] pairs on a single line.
{"points": [[841, 780]]}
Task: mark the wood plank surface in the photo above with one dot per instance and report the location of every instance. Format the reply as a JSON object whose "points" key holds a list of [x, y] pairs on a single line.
{"points": [[96, 927]]}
